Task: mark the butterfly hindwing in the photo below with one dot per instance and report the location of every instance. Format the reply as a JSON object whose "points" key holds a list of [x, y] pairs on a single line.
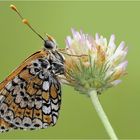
{"points": [[30, 98], [5, 126]]}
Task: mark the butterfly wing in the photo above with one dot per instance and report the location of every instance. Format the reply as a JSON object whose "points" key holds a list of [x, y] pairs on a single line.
{"points": [[5, 126], [30, 97]]}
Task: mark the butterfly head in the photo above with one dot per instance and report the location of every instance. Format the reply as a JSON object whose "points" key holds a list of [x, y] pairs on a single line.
{"points": [[50, 43]]}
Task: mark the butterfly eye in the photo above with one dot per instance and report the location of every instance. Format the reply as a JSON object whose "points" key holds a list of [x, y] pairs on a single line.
{"points": [[48, 44]]}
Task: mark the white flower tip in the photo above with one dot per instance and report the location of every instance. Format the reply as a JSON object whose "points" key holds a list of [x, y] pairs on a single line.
{"points": [[97, 36], [73, 31], [116, 82], [111, 43], [126, 49], [122, 45], [76, 34], [68, 41], [123, 65], [112, 37]]}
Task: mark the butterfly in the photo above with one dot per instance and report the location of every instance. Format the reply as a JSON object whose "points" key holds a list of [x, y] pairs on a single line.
{"points": [[30, 97]]}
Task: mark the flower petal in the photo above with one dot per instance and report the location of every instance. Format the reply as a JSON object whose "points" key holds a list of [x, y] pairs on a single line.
{"points": [[116, 82], [68, 41]]}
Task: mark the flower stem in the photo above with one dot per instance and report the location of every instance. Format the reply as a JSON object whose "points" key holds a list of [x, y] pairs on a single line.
{"points": [[102, 115]]}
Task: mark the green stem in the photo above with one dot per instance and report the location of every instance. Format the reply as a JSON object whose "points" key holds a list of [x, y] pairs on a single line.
{"points": [[102, 115]]}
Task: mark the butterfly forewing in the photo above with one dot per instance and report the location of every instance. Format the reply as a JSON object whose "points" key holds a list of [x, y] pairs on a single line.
{"points": [[30, 97]]}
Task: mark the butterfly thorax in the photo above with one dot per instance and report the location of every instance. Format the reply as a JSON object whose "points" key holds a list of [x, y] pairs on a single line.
{"points": [[56, 59], [54, 62]]}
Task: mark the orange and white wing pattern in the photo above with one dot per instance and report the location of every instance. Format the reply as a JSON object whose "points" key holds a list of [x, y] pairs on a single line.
{"points": [[30, 97]]}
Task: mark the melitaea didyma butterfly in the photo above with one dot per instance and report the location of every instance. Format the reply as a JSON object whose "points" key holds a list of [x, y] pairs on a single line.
{"points": [[30, 97]]}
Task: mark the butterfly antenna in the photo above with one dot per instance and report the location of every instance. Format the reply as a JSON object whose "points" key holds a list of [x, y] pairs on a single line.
{"points": [[25, 21]]}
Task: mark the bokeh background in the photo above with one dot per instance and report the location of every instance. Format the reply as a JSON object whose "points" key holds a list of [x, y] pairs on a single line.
{"points": [[78, 118]]}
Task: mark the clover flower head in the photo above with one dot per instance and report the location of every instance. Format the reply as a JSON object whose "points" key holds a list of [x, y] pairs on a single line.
{"points": [[94, 63]]}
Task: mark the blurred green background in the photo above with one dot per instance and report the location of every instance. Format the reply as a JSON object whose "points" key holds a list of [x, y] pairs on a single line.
{"points": [[78, 118]]}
